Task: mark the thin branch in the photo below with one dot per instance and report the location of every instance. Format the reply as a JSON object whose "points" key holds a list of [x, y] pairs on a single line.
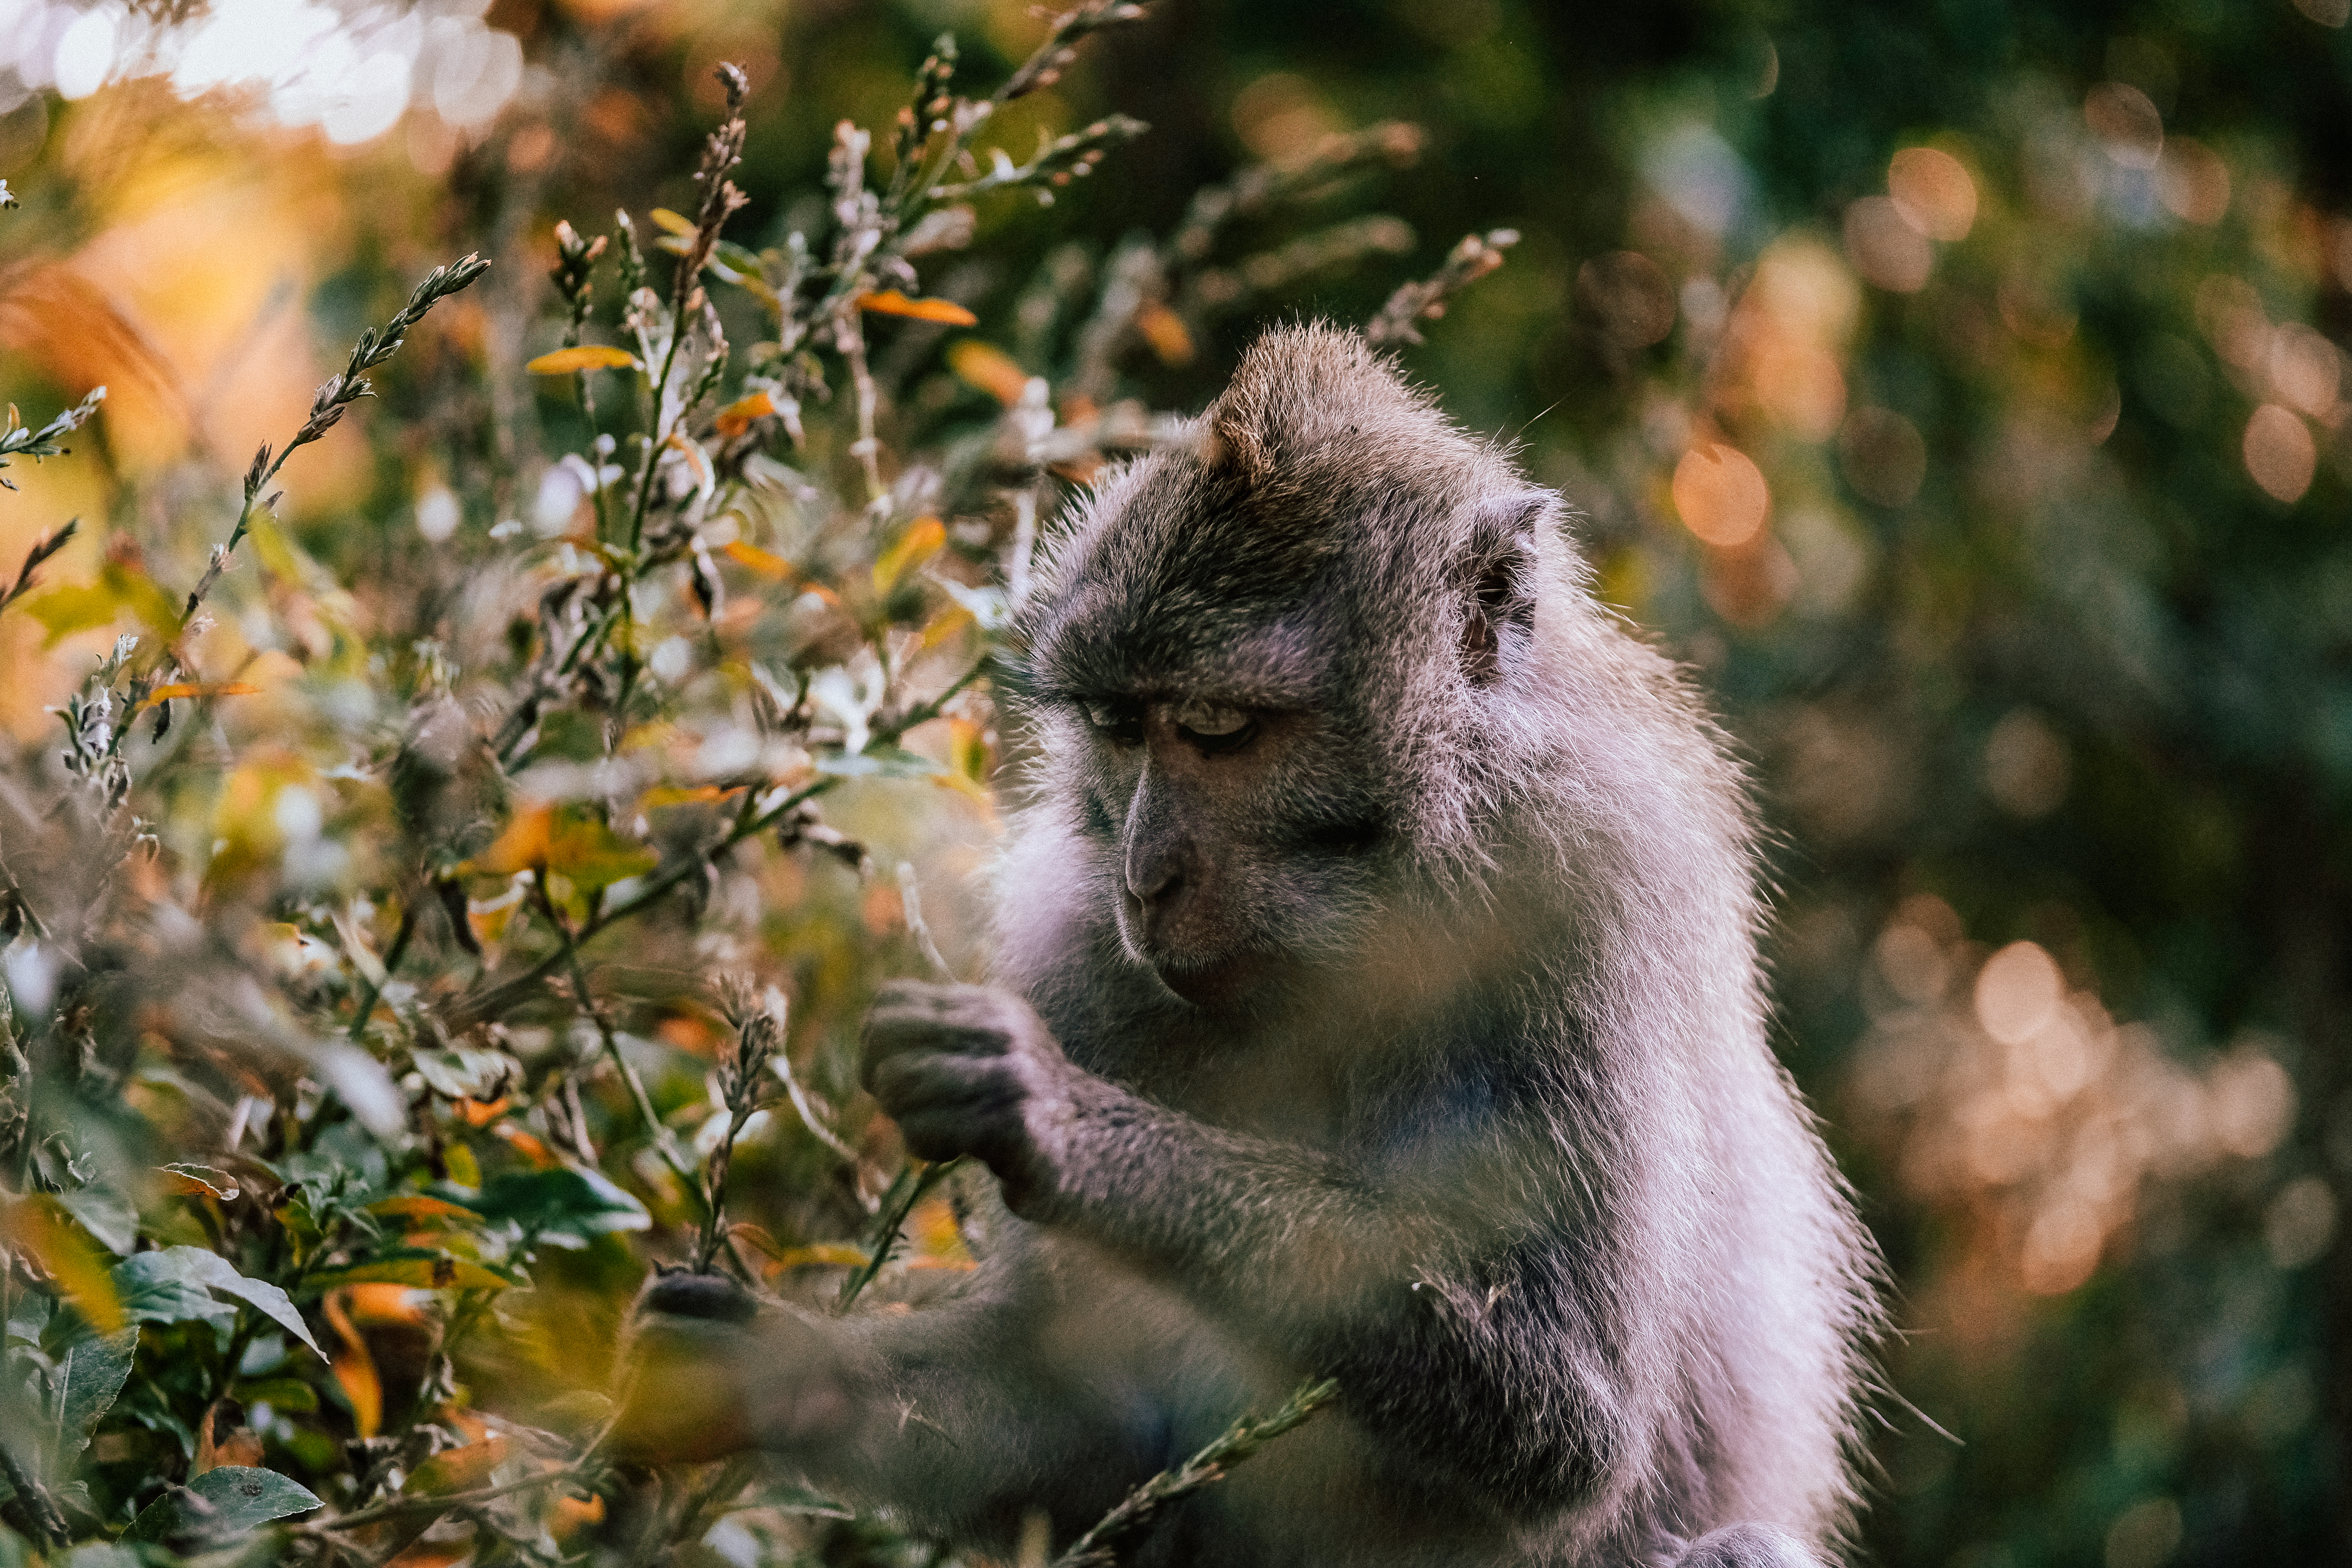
{"points": [[914, 1184], [1097, 1547], [392, 957], [443, 1502]]}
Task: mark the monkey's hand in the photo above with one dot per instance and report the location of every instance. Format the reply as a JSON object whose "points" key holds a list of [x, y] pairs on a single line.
{"points": [[711, 1372], [967, 1071]]}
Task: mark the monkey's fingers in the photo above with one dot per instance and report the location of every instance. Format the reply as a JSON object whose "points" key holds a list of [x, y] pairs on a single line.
{"points": [[909, 1083], [895, 1035]]}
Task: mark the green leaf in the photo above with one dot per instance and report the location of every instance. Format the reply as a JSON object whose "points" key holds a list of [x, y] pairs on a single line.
{"points": [[878, 762], [168, 1287], [100, 1555], [88, 1374], [228, 1502], [105, 1216], [155, 1289], [561, 1202], [278, 1392]]}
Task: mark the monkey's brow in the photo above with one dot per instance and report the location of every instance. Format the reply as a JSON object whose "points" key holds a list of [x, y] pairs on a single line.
{"points": [[1254, 697]]}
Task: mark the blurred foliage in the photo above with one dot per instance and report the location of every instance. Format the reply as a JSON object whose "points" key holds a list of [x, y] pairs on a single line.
{"points": [[1962, 390]]}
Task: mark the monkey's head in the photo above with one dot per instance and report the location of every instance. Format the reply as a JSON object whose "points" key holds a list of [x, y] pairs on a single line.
{"points": [[1286, 677]]}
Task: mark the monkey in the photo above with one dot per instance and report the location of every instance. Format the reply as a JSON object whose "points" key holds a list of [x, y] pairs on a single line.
{"points": [[1376, 997]]}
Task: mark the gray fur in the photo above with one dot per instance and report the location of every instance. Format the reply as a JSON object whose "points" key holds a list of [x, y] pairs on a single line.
{"points": [[1507, 1154]]}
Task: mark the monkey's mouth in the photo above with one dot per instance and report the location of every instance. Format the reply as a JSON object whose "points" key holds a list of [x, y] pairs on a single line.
{"points": [[1218, 985]]}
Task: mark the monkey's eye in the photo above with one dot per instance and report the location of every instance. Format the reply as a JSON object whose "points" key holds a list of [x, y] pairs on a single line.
{"points": [[1119, 718], [1213, 726]]}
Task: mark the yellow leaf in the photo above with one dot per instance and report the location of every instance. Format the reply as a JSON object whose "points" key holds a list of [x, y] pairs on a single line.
{"points": [[680, 794], [968, 750], [182, 688], [280, 554], [569, 841], [737, 417], [676, 223], [757, 287], [989, 368], [38, 1226], [1163, 328], [951, 621], [890, 302], [760, 561], [418, 1206], [923, 539], [827, 1254], [587, 356]]}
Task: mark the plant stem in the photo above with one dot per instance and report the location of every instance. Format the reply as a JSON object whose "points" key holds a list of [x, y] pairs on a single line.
{"points": [[1096, 1548], [586, 1001], [392, 957], [443, 1502], [914, 1183]]}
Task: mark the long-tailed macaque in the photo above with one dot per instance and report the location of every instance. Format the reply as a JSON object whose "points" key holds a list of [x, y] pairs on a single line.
{"points": [[1377, 998]]}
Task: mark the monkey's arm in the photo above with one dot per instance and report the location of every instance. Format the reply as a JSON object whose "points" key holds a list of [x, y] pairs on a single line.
{"points": [[952, 1415], [1449, 1286]]}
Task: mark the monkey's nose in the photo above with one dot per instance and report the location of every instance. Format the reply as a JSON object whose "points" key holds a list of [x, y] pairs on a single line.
{"points": [[1153, 880]]}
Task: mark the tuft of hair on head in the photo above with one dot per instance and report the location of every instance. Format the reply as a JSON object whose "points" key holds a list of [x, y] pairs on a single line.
{"points": [[1298, 391]]}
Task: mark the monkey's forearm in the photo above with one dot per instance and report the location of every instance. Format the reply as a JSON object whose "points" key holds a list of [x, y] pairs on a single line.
{"points": [[1351, 1277], [1296, 1236]]}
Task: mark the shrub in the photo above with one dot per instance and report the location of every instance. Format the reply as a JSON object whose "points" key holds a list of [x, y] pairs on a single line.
{"points": [[410, 939]]}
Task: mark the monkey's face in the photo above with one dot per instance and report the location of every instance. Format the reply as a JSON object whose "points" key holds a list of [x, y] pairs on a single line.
{"points": [[1239, 841]]}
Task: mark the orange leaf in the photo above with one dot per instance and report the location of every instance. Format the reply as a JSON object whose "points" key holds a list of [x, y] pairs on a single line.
{"points": [[1163, 328], [737, 417], [991, 369], [568, 1516], [454, 1470], [477, 1114], [586, 356], [524, 1144], [760, 561], [356, 1369], [890, 302], [386, 1303], [432, 1554], [200, 689], [522, 846]]}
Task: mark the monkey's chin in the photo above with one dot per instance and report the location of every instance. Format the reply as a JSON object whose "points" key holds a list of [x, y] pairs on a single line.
{"points": [[1220, 985]]}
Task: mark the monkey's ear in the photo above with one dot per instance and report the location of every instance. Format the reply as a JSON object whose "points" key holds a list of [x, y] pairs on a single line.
{"points": [[1232, 448], [1499, 621]]}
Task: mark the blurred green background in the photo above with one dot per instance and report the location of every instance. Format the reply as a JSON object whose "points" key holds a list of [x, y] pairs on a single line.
{"points": [[1959, 388]]}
